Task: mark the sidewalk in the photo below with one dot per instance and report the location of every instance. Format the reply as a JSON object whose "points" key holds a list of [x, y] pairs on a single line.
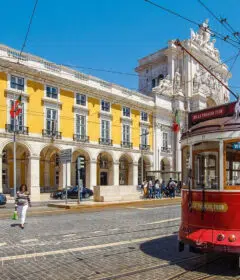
{"points": [[56, 207], [92, 204]]}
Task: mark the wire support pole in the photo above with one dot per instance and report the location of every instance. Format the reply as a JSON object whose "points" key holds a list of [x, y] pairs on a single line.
{"points": [[178, 43], [14, 150]]}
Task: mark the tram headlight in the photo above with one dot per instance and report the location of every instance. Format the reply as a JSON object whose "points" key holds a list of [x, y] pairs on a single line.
{"points": [[220, 237], [232, 238]]}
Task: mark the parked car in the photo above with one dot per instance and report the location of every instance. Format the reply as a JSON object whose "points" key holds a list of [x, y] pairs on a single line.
{"points": [[3, 199], [59, 194], [72, 193]]}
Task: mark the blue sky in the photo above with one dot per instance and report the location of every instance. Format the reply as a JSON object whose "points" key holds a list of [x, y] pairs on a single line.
{"points": [[109, 34]]}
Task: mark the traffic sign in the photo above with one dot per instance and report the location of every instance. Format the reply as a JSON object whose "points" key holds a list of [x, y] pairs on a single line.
{"points": [[66, 155]]}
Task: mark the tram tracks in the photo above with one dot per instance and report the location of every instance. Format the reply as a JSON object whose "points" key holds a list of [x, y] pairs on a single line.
{"points": [[149, 268]]}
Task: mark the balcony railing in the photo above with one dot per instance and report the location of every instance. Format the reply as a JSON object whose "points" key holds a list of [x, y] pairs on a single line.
{"points": [[166, 150], [19, 129], [144, 147], [104, 141], [125, 144], [51, 134], [80, 138]]}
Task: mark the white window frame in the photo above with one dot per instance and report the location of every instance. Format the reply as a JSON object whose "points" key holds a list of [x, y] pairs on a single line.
{"points": [[141, 132], [50, 98], [13, 89], [53, 107], [80, 105], [129, 110], [110, 107], [75, 123], [45, 120], [167, 140], [130, 132], [110, 127], [143, 112]]}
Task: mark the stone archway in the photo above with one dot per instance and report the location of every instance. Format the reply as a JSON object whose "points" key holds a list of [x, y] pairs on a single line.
{"points": [[105, 170], [22, 166], [165, 166], [83, 173], [50, 168], [143, 166], [125, 170]]}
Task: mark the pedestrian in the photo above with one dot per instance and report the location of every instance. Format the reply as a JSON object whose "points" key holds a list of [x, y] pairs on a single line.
{"points": [[163, 188], [172, 187], [22, 202], [157, 189], [145, 189], [150, 189], [81, 191]]}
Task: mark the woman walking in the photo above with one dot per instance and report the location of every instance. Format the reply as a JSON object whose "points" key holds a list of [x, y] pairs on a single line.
{"points": [[22, 202]]}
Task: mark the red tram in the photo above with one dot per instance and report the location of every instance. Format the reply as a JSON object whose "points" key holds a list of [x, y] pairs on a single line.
{"points": [[211, 180]]}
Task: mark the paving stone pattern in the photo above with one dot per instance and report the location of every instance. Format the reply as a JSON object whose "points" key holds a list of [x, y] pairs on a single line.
{"points": [[78, 246]]}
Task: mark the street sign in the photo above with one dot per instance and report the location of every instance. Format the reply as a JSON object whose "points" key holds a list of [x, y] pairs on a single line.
{"points": [[66, 155]]}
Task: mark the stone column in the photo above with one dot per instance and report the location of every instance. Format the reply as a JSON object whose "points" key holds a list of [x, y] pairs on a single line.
{"points": [[116, 173], [1, 186], [135, 173], [93, 173], [221, 165], [34, 178]]}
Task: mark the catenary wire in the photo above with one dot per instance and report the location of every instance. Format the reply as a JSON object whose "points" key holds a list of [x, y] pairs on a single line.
{"points": [[28, 29], [212, 32]]}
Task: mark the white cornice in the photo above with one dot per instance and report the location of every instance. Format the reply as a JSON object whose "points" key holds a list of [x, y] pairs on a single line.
{"points": [[44, 70]]}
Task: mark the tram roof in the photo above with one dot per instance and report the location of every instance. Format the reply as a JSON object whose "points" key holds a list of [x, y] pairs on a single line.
{"points": [[215, 119]]}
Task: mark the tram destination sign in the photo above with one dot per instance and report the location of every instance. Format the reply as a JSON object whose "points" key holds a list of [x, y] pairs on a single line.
{"points": [[211, 113]]}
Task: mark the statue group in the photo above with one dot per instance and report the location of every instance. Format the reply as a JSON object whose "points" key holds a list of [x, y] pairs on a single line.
{"points": [[203, 38]]}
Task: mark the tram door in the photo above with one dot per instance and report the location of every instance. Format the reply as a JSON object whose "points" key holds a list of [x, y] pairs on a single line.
{"points": [[206, 179]]}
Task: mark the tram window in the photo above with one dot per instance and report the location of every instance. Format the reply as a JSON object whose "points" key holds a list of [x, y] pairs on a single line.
{"points": [[185, 165], [206, 170], [233, 164]]}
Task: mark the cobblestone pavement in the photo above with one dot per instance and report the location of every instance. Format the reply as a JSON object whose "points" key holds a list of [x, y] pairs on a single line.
{"points": [[127, 243]]}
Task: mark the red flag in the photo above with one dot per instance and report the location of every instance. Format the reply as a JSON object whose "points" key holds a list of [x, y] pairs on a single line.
{"points": [[16, 108], [176, 122]]}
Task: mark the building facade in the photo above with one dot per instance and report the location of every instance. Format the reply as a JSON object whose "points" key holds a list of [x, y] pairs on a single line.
{"points": [[176, 81], [110, 129]]}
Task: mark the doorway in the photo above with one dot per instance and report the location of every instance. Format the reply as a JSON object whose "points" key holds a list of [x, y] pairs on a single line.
{"points": [[103, 178]]}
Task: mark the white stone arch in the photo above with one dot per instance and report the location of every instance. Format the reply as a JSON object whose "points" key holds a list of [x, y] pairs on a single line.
{"points": [[110, 152], [23, 154], [125, 169], [147, 165], [105, 167], [84, 172], [50, 168], [23, 143]]}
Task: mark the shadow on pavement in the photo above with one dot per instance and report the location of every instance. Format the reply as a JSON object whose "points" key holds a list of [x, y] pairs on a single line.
{"points": [[15, 225], [166, 249]]}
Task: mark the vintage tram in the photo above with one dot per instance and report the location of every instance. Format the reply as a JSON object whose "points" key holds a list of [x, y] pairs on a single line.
{"points": [[211, 180]]}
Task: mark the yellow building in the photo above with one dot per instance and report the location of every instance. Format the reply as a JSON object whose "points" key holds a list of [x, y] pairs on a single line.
{"points": [[108, 127]]}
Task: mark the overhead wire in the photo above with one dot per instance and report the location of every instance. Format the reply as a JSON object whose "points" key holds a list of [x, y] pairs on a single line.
{"points": [[28, 29], [227, 26], [212, 32]]}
